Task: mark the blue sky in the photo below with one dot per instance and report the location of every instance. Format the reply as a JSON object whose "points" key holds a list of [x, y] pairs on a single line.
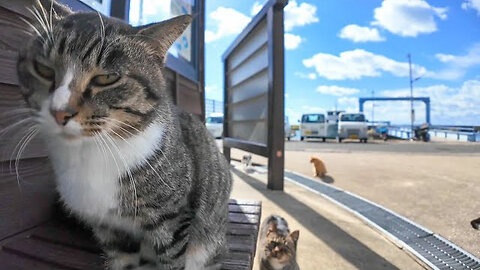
{"points": [[337, 51]]}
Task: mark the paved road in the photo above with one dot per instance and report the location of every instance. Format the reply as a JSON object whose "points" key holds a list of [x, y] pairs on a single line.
{"points": [[396, 146]]}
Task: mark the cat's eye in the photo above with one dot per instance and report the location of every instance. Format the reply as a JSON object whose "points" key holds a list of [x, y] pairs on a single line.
{"points": [[105, 80], [44, 71]]}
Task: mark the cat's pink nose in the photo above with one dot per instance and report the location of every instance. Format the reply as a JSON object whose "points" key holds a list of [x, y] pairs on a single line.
{"points": [[62, 117]]}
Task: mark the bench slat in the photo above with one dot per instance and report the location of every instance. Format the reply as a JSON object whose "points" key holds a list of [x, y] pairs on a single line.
{"points": [[10, 261], [59, 255], [246, 209], [245, 202], [58, 234], [244, 218], [60, 246]]}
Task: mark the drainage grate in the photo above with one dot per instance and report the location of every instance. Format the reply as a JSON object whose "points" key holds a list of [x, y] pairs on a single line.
{"points": [[432, 249]]}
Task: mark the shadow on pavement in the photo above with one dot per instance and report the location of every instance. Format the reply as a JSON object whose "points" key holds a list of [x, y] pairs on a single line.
{"points": [[352, 250], [327, 179]]}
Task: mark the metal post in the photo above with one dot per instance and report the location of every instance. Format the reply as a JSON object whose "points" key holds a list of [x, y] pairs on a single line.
{"points": [[276, 138], [373, 107], [226, 150], [411, 93]]}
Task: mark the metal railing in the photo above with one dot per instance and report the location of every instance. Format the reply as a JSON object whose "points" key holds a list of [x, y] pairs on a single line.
{"points": [[213, 106], [458, 133]]}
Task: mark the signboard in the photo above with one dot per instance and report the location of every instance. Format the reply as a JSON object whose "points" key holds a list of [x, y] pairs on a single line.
{"points": [[254, 90]]}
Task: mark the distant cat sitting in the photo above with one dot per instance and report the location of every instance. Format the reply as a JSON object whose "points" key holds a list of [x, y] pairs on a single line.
{"points": [[319, 168], [278, 246], [144, 175]]}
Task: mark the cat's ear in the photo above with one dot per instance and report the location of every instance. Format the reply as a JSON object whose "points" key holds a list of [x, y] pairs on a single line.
{"points": [[294, 236], [163, 34], [51, 8]]}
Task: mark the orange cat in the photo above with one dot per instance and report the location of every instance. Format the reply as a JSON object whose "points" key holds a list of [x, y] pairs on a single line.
{"points": [[319, 168]]}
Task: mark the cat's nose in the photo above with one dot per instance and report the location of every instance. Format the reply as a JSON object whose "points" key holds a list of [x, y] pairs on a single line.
{"points": [[62, 117]]}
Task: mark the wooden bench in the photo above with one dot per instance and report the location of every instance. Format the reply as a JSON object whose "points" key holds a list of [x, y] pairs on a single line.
{"points": [[61, 244]]}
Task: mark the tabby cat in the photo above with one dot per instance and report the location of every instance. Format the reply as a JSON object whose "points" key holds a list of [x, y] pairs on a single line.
{"points": [[144, 175], [279, 245]]}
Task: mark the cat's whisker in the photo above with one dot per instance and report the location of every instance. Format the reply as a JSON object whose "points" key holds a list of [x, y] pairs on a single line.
{"points": [[21, 110], [100, 135], [8, 152], [33, 28], [20, 153], [127, 168], [125, 130], [104, 153], [45, 22], [39, 19], [51, 17], [6, 129], [134, 149], [21, 145], [123, 123]]}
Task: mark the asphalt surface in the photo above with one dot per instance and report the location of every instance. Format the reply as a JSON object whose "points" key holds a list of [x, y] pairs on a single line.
{"points": [[394, 146]]}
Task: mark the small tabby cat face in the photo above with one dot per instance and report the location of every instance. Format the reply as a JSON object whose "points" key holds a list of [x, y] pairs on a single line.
{"points": [[281, 249], [85, 73]]}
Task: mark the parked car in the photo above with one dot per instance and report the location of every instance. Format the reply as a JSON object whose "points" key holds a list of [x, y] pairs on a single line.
{"points": [[313, 126], [288, 129], [214, 123], [352, 126]]}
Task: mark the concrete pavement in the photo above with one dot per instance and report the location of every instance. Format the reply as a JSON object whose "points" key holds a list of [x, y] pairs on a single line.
{"points": [[330, 237], [435, 185]]}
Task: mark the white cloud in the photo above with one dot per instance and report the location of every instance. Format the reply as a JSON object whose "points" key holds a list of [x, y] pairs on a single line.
{"points": [[310, 76], [472, 4], [228, 21], [312, 109], [348, 101], [450, 105], [336, 90], [357, 33], [257, 6], [408, 18], [357, 64], [292, 41], [457, 65], [472, 58], [211, 88], [299, 15]]}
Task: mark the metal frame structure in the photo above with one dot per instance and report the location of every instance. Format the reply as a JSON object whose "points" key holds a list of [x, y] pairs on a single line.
{"points": [[184, 75], [425, 100], [272, 12]]}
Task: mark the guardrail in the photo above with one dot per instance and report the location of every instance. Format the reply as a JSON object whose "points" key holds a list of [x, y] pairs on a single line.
{"points": [[458, 133]]}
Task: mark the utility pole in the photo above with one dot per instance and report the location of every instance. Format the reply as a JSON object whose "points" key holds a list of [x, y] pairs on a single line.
{"points": [[373, 107], [140, 15], [412, 112]]}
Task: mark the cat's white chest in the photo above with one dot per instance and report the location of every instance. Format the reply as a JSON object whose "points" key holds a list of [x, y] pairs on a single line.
{"points": [[87, 179], [88, 173]]}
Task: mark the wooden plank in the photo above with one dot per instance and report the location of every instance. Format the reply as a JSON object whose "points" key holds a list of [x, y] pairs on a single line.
{"points": [[12, 30], [188, 97], [243, 218], [10, 261], [246, 209], [71, 237], [30, 204], [11, 101], [242, 229], [8, 67], [58, 255], [245, 202], [237, 258], [239, 243]]}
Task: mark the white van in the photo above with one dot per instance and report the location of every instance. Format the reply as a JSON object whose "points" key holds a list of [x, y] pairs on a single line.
{"points": [[214, 123], [313, 125], [287, 128], [352, 126]]}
